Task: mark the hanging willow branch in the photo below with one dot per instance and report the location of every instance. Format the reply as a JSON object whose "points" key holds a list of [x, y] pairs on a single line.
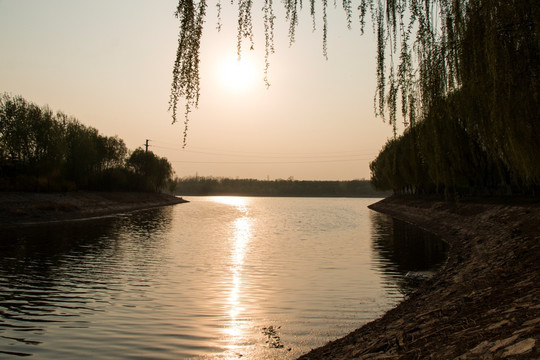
{"points": [[268, 37], [245, 24], [410, 80], [186, 67]]}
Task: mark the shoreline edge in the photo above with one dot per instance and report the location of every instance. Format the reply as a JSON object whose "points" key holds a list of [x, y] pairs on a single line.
{"points": [[25, 209], [483, 304]]}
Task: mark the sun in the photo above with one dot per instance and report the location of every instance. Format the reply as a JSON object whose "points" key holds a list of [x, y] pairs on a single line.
{"points": [[238, 74]]}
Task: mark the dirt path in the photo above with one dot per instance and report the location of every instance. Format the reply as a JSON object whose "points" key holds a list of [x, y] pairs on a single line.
{"points": [[18, 209], [485, 304]]}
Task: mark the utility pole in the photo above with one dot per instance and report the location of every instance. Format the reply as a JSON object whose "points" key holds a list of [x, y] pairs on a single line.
{"points": [[146, 145]]}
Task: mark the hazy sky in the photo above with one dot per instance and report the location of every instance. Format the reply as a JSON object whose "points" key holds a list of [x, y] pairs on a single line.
{"points": [[109, 64]]}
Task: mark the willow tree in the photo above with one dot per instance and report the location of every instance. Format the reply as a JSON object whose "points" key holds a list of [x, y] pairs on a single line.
{"points": [[487, 50]]}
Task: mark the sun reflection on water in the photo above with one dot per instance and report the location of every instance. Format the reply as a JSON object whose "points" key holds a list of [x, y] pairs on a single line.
{"points": [[237, 324], [240, 239], [239, 202]]}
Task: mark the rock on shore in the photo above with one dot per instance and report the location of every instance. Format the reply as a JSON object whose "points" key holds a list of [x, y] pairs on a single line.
{"points": [[484, 304], [18, 209]]}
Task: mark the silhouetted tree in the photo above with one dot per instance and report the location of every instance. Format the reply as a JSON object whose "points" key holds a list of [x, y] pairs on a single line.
{"points": [[153, 172], [40, 150], [468, 69]]}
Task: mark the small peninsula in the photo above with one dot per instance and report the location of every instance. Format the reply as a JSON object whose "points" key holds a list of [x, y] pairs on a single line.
{"points": [[24, 208]]}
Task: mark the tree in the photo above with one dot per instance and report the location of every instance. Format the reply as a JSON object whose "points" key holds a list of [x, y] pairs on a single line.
{"points": [[41, 150], [31, 142], [82, 157], [476, 60], [152, 172], [112, 150]]}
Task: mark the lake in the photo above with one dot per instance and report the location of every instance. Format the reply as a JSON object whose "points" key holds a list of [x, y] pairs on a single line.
{"points": [[216, 278]]}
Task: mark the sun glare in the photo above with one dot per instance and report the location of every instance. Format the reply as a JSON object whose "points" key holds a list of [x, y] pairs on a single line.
{"points": [[238, 75]]}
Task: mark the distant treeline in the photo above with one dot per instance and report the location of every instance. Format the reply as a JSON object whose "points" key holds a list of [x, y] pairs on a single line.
{"points": [[45, 151], [250, 187], [481, 136]]}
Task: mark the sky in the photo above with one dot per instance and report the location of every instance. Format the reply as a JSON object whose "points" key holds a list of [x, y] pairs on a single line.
{"points": [[109, 64]]}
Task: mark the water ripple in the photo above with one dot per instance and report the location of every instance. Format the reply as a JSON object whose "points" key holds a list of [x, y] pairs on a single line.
{"points": [[203, 280]]}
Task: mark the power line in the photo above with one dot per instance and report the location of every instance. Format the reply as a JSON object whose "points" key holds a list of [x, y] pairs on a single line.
{"points": [[282, 156], [268, 162], [252, 153]]}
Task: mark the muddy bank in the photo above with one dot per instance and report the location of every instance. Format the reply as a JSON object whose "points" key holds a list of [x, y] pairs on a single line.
{"points": [[484, 304], [19, 209]]}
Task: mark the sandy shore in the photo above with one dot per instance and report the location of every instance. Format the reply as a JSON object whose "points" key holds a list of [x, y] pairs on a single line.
{"points": [[19, 209], [484, 304]]}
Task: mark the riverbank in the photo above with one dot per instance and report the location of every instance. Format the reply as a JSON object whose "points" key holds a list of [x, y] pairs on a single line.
{"points": [[484, 304], [21, 208]]}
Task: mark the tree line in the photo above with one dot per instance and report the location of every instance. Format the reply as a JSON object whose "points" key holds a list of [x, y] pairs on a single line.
{"points": [[479, 136], [200, 185], [42, 150]]}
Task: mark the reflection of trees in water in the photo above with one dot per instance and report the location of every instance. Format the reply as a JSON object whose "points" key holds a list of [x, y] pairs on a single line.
{"points": [[148, 222], [45, 245], [399, 247], [51, 273], [35, 263]]}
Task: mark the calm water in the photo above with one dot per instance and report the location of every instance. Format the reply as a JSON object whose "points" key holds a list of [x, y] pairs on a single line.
{"points": [[218, 278]]}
